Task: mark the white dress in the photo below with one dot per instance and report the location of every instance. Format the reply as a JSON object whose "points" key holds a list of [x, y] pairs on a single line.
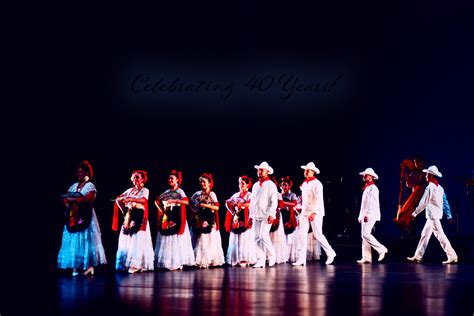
{"points": [[208, 250], [242, 247], [291, 238], [135, 250], [279, 241], [81, 250], [174, 251]]}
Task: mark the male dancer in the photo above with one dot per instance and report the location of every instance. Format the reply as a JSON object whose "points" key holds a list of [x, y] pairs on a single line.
{"points": [[263, 204], [432, 202], [312, 212], [369, 214]]}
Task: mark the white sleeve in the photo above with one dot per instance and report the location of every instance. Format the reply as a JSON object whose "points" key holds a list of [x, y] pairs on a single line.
{"points": [[145, 193], [423, 202]]}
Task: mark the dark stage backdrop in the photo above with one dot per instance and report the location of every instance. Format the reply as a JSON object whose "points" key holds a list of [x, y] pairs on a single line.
{"points": [[219, 88]]}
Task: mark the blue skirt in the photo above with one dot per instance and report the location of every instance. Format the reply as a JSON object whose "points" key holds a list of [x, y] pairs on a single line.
{"points": [[81, 250]]}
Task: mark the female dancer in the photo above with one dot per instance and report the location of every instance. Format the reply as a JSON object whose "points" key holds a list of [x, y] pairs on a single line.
{"points": [[173, 247], [242, 246], [135, 248], [208, 249], [277, 235], [287, 201], [81, 244]]}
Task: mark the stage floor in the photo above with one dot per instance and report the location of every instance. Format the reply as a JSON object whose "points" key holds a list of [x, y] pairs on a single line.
{"points": [[392, 288]]}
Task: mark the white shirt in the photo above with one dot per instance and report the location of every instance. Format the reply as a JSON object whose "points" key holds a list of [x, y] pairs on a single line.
{"points": [[370, 205], [264, 200], [312, 198], [135, 193], [432, 201]]}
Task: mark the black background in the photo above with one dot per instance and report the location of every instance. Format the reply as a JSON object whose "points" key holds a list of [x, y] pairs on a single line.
{"points": [[405, 90]]}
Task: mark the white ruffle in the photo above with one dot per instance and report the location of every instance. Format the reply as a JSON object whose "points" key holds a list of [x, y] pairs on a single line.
{"points": [[242, 247], [135, 250], [314, 248], [174, 251], [208, 250], [81, 250], [278, 238], [292, 245]]}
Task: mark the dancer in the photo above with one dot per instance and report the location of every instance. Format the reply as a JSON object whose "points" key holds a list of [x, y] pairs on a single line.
{"points": [[135, 248], [208, 249], [432, 202], [173, 248], [312, 212], [263, 203], [242, 247], [287, 202], [369, 214], [81, 244]]}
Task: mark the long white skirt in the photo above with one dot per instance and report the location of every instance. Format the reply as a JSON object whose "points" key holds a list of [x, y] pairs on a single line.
{"points": [[278, 238], [314, 248], [82, 250], [174, 251], [135, 250], [292, 245], [208, 250], [242, 247]]}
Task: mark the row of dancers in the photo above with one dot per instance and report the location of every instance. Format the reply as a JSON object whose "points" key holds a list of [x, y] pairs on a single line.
{"points": [[266, 226]]}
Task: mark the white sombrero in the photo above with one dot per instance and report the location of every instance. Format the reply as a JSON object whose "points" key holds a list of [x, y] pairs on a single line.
{"points": [[433, 170], [311, 166], [264, 165], [370, 172]]}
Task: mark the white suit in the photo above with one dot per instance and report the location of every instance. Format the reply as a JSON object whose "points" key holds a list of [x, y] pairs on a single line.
{"points": [[370, 208], [312, 202], [263, 203], [432, 202]]}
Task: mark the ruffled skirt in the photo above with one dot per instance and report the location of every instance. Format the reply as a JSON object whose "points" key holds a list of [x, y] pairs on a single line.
{"points": [[278, 238], [242, 247], [135, 250], [292, 245], [81, 250], [208, 250], [314, 248], [174, 251]]}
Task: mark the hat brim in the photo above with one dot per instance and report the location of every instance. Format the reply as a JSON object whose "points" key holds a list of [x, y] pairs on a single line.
{"points": [[376, 177], [269, 169], [438, 174], [315, 170]]}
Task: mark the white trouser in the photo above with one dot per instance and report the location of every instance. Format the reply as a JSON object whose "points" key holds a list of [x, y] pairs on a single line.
{"points": [[317, 226], [262, 238], [368, 240], [433, 226]]}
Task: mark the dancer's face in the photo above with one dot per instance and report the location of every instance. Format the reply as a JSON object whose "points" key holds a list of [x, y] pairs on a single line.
{"points": [[80, 174], [308, 173], [205, 185], [172, 181], [137, 179], [284, 187], [243, 186], [368, 178], [262, 173]]}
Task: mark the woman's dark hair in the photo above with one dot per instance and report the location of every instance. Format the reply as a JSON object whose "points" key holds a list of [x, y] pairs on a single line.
{"points": [[286, 180], [143, 173], [87, 167], [209, 178], [247, 180], [178, 175]]}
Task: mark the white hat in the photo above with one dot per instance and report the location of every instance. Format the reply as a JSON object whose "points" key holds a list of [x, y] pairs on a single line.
{"points": [[264, 165], [370, 172], [433, 170], [311, 166]]}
